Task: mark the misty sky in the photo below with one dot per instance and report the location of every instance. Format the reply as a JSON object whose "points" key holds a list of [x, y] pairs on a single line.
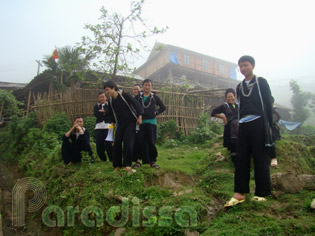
{"points": [[279, 34]]}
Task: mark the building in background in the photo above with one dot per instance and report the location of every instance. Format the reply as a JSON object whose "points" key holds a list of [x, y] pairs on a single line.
{"points": [[11, 86], [179, 66]]}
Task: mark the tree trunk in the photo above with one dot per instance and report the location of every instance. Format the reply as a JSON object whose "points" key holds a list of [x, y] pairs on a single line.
{"points": [[118, 50]]}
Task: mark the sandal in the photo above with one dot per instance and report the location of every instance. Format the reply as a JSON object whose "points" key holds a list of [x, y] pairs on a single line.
{"points": [[259, 199], [233, 201], [127, 168], [116, 169], [137, 165], [154, 165], [274, 162]]}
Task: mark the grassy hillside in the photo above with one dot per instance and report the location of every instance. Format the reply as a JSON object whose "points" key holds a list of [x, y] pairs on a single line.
{"points": [[189, 190]]}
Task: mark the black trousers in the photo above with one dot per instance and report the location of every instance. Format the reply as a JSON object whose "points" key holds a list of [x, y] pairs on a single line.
{"points": [[72, 152], [125, 135], [102, 145], [251, 142], [139, 154], [147, 137], [272, 151]]}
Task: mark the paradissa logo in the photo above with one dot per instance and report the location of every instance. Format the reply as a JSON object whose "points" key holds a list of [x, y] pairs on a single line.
{"points": [[151, 216], [92, 216]]}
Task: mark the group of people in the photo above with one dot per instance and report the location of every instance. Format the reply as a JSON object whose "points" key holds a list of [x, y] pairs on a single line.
{"points": [[250, 130], [135, 134]]}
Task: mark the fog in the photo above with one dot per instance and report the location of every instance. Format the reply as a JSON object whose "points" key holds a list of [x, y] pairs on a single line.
{"points": [[278, 34]]}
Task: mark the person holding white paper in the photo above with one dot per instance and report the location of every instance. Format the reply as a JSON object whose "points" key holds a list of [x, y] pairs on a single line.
{"points": [[103, 128]]}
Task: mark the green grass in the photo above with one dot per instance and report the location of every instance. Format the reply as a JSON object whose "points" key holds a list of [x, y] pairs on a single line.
{"points": [[189, 177]]}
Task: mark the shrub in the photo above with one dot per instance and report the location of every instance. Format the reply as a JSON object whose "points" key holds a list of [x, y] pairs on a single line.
{"points": [[307, 130], [8, 104], [57, 124], [12, 143], [89, 123], [206, 130], [168, 130]]}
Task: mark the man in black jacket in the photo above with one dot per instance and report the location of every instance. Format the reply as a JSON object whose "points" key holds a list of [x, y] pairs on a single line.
{"points": [[148, 128], [77, 139], [255, 120], [127, 113], [102, 127]]}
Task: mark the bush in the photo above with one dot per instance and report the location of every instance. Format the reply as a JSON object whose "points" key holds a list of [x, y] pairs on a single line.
{"points": [[307, 130], [12, 137], [89, 123], [8, 104], [206, 130], [58, 124], [168, 130]]}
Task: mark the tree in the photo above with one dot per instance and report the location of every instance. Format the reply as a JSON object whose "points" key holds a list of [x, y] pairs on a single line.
{"points": [[8, 105], [117, 38], [300, 101], [70, 63]]}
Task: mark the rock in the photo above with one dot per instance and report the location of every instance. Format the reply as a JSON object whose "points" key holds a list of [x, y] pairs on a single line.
{"points": [[286, 182], [292, 183], [276, 194], [219, 157], [308, 180], [188, 233], [313, 204], [120, 231], [132, 171], [182, 192]]}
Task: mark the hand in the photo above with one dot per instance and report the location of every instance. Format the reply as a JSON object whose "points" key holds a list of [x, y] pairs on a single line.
{"points": [[103, 111], [79, 129], [139, 121], [225, 120]]}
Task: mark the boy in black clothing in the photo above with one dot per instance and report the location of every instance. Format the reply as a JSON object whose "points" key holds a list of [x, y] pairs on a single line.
{"points": [[255, 120], [147, 134], [77, 139], [127, 113], [103, 123]]}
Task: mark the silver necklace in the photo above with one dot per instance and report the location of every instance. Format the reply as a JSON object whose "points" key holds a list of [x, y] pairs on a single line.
{"points": [[250, 89], [148, 103]]}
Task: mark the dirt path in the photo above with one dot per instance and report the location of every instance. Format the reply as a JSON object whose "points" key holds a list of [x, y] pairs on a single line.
{"points": [[9, 175]]}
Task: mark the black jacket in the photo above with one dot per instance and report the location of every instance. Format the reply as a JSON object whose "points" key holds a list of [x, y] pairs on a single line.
{"points": [[82, 143], [124, 112], [149, 106], [252, 105], [231, 114], [102, 116]]}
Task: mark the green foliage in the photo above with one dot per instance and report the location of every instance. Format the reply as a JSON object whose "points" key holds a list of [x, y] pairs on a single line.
{"points": [[89, 122], [168, 130], [58, 124], [8, 104], [71, 65], [206, 130], [114, 41], [300, 101], [189, 176], [307, 130]]}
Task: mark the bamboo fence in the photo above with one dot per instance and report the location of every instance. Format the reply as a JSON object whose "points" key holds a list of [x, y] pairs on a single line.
{"points": [[184, 108]]}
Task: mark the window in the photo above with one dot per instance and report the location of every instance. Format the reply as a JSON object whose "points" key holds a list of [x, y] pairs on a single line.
{"points": [[221, 69], [186, 60], [204, 64]]}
